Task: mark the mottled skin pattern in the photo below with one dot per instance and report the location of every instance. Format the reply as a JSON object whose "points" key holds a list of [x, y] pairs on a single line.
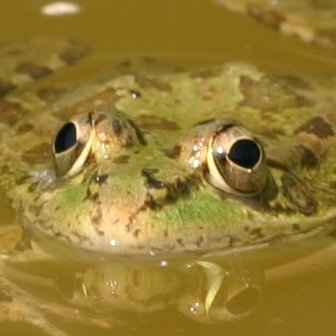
{"points": [[311, 20], [145, 185]]}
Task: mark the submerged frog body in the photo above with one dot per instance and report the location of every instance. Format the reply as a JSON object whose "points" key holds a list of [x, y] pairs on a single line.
{"points": [[311, 20], [148, 161]]}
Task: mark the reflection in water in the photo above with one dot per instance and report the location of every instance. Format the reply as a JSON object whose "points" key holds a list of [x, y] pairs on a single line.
{"points": [[204, 291], [38, 289], [55, 293]]}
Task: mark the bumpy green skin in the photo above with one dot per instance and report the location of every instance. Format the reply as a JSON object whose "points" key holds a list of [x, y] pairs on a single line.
{"points": [[112, 206], [313, 21]]}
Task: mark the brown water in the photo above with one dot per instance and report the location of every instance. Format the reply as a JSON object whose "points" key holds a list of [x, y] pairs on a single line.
{"points": [[286, 290]]}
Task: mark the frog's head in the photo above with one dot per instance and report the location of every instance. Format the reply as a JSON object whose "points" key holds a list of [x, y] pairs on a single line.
{"points": [[122, 190]]}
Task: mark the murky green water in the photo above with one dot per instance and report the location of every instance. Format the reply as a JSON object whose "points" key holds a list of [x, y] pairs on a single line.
{"points": [[286, 290]]}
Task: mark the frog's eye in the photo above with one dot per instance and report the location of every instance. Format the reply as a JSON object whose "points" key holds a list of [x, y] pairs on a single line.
{"points": [[66, 138], [71, 146], [236, 161]]}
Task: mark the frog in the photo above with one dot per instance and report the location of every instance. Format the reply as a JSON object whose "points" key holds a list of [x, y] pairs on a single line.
{"points": [[153, 162], [150, 164], [311, 20]]}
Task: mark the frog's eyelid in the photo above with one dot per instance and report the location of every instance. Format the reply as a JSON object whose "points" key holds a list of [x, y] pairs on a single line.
{"points": [[82, 157]]}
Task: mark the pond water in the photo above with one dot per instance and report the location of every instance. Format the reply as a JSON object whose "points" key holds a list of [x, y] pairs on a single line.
{"points": [[287, 289]]}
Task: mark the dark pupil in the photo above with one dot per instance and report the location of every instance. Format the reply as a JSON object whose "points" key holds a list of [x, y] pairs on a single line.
{"points": [[244, 153], [66, 138]]}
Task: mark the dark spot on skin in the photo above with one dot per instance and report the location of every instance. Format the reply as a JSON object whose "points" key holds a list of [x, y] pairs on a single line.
{"points": [[200, 241], [289, 156], [268, 95], [94, 197], [89, 119], [165, 233], [50, 94], [11, 113], [100, 179], [128, 141], [204, 122], [156, 122], [97, 218], [171, 193], [25, 243], [135, 94], [257, 233], [151, 181], [58, 234], [32, 187], [101, 117], [298, 194], [138, 132], [273, 18], [33, 70], [117, 126], [148, 59], [73, 53], [125, 64], [293, 81], [22, 129], [182, 186], [180, 242], [205, 73], [173, 152], [308, 158], [326, 37], [150, 202], [121, 159], [154, 83], [233, 240], [36, 155], [317, 126], [6, 87], [14, 52], [296, 227], [173, 190], [36, 209], [268, 17], [136, 233], [88, 194], [332, 233]]}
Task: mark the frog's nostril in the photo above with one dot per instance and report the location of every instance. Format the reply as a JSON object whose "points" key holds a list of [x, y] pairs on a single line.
{"points": [[245, 153]]}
